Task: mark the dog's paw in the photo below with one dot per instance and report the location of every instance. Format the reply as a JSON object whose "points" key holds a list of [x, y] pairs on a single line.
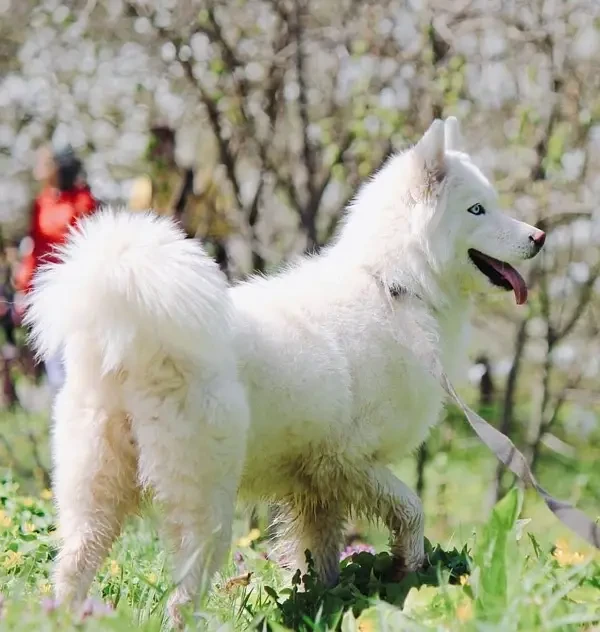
{"points": [[177, 602], [403, 566]]}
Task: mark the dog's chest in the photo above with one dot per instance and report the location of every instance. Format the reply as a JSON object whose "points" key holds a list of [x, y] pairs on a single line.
{"points": [[397, 401], [396, 396], [455, 329]]}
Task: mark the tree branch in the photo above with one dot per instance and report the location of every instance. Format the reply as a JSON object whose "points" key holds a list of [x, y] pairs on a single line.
{"points": [[317, 196], [307, 149], [586, 294], [548, 421], [509, 401], [229, 56], [562, 219]]}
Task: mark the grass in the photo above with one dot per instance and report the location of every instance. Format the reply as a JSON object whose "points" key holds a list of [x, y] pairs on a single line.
{"points": [[526, 571]]}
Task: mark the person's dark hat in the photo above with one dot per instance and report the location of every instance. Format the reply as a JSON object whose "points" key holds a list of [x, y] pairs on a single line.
{"points": [[68, 167], [66, 157]]}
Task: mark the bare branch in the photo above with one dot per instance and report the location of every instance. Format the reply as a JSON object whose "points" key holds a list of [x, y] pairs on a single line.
{"points": [[562, 219], [585, 295], [229, 56], [307, 149], [548, 419], [315, 202], [509, 397], [35, 450]]}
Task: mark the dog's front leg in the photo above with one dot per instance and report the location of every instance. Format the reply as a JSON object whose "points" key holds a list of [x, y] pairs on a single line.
{"points": [[402, 512], [318, 527]]}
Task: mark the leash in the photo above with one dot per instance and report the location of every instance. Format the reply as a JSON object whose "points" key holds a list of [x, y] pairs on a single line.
{"points": [[504, 449], [508, 454]]}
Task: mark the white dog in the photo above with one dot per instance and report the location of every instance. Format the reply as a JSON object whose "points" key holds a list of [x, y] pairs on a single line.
{"points": [[300, 388]]}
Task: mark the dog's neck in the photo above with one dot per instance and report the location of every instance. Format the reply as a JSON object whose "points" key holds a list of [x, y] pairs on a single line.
{"points": [[414, 276], [411, 278], [453, 320]]}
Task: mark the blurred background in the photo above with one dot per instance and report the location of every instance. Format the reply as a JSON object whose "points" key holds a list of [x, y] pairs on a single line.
{"points": [[254, 121]]}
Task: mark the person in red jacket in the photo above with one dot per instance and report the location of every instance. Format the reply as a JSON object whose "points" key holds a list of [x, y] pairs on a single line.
{"points": [[62, 201]]}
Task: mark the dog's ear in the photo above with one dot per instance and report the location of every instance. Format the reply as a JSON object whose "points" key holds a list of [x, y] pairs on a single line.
{"points": [[452, 134], [430, 153]]}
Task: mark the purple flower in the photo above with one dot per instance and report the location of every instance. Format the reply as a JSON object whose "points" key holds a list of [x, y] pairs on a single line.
{"points": [[49, 605], [95, 608], [358, 547], [238, 560]]}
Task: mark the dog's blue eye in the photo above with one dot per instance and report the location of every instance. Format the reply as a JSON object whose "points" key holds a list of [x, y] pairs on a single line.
{"points": [[476, 209]]}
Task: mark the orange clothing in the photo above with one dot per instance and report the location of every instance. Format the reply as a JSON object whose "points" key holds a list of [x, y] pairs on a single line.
{"points": [[54, 213]]}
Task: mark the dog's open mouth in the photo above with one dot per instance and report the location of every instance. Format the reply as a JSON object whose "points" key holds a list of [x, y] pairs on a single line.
{"points": [[500, 274]]}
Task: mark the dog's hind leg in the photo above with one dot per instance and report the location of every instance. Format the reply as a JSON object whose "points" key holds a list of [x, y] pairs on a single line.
{"points": [[192, 447], [402, 512], [318, 527], [95, 487]]}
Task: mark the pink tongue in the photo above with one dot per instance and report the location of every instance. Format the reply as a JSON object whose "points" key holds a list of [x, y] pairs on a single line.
{"points": [[513, 277]]}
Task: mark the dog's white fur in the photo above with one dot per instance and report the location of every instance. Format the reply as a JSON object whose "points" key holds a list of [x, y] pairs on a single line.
{"points": [[300, 388]]}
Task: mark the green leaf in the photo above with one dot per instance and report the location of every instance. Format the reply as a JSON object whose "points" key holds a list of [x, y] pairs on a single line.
{"points": [[491, 557], [383, 563], [217, 66], [537, 549], [364, 559], [396, 593], [272, 593], [359, 47]]}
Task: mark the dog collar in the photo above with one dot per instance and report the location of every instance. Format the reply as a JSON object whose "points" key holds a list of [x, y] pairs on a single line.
{"points": [[395, 290]]}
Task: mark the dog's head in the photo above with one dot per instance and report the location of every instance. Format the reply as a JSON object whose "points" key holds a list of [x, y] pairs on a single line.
{"points": [[431, 207], [467, 233]]}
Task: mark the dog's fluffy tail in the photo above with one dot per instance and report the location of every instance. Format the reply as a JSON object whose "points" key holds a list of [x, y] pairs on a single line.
{"points": [[131, 281]]}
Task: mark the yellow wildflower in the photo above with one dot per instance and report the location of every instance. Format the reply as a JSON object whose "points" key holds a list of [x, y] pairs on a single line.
{"points": [[115, 569], [562, 543], [464, 580], [568, 558], [152, 578], [563, 554], [12, 559], [46, 494], [366, 625], [28, 501], [28, 527], [45, 588], [248, 539], [464, 612], [5, 520]]}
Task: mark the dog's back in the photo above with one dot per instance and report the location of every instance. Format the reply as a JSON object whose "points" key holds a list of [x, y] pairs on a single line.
{"points": [[151, 397]]}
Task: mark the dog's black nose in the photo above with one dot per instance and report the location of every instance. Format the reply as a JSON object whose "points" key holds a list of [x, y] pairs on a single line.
{"points": [[538, 239]]}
